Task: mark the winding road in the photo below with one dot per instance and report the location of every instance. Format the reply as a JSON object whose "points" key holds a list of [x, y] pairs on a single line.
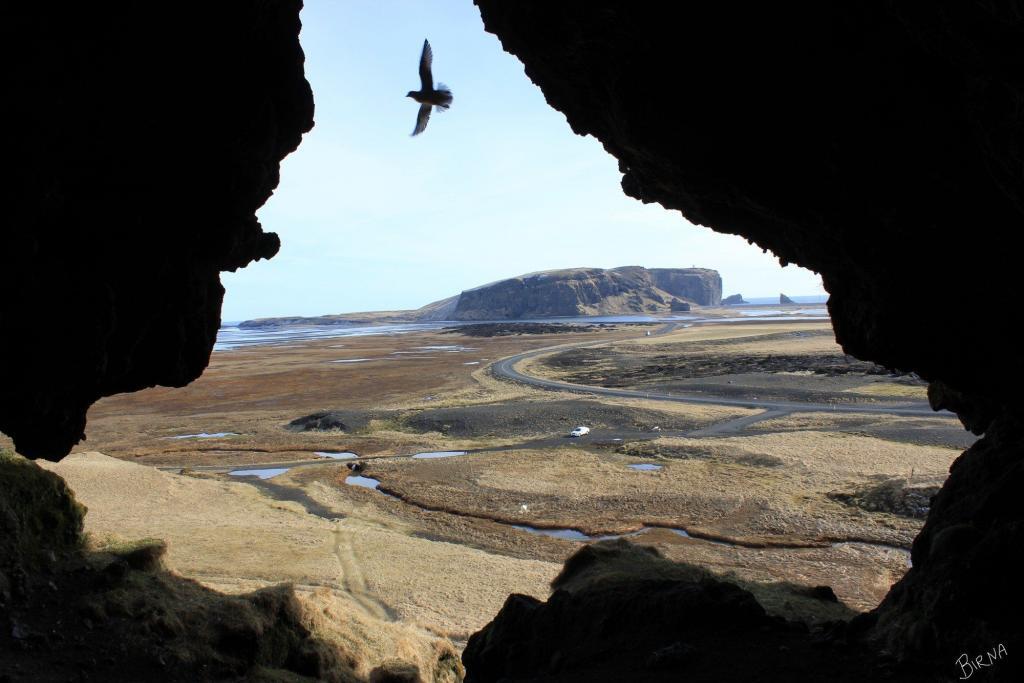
{"points": [[506, 369]]}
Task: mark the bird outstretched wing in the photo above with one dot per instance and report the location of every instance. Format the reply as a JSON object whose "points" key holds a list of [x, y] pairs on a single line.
{"points": [[422, 118], [426, 78]]}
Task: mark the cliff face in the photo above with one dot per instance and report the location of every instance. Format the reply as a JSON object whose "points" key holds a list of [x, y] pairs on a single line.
{"points": [[878, 144], [589, 291], [144, 137], [699, 285]]}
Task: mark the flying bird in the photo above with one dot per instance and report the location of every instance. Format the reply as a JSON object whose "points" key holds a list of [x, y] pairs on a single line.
{"points": [[427, 96]]}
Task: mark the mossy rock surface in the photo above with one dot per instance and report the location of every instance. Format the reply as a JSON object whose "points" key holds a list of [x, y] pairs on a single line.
{"points": [[39, 516]]}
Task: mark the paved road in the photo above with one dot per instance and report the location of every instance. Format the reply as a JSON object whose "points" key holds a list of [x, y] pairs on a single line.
{"points": [[505, 368]]}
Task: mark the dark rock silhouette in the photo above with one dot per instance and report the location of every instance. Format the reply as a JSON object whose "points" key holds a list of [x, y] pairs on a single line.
{"points": [[785, 300], [814, 175], [144, 139], [733, 300], [880, 126], [72, 613], [620, 612]]}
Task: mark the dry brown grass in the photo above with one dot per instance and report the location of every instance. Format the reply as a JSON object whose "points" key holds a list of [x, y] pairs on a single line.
{"points": [[231, 537], [256, 391], [442, 573], [715, 491], [746, 340], [835, 421], [726, 331], [892, 390]]}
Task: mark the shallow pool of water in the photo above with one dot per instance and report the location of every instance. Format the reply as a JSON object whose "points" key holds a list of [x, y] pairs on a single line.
{"points": [[351, 360], [202, 435], [645, 467], [365, 482], [762, 313], [262, 474], [577, 535], [336, 455], [430, 455], [565, 534]]}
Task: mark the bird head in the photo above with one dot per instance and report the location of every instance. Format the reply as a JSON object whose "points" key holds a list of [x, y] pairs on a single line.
{"points": [[411, 93]]}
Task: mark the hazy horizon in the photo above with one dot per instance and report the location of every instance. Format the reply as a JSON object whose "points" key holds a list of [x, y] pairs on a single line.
{"points": [[372, 219], [762, 299]]}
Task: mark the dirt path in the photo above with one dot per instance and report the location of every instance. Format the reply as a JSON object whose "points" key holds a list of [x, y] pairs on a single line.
{"points": [[352, 578]]}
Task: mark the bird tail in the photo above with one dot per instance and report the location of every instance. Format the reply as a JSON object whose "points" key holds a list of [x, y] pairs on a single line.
{"points": [[445, 96]]}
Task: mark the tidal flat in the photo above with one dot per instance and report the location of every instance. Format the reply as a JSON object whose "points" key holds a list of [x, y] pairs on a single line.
{"points": [[779, 500]]}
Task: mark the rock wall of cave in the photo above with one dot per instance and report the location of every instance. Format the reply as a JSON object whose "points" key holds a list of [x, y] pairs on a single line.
{"points": [[141, 139], [878, 143]]}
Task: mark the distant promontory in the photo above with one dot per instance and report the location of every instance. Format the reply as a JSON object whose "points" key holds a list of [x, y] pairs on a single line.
{"points": [[569, 292], [582, 291]]}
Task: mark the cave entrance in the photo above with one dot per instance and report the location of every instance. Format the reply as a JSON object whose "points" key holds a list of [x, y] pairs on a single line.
{"points": [[452, 378]]}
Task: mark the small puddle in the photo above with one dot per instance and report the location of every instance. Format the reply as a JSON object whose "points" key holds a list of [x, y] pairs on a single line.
{"points": [[365, 482], [262, 474], [430, 455], [335, 455], [565, 534], [351, 360], [577, 535], [472, 362], [368, 483], [202, 435], [645, 467]]}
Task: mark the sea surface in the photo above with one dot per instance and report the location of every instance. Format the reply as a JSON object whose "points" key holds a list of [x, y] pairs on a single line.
{"points": [[774, 300], [231, 336]]}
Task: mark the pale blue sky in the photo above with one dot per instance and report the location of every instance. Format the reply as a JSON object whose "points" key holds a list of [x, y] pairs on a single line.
{"points": [[372, 219]]}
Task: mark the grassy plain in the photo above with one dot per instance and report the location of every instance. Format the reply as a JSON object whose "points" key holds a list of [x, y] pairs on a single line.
{"points": [[762, 503]]}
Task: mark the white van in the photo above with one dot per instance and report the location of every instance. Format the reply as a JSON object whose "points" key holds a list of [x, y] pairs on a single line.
{"points": [[580, 431]]}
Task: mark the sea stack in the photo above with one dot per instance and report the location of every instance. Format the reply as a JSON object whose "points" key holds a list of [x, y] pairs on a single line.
{"points": [[784, 300]]}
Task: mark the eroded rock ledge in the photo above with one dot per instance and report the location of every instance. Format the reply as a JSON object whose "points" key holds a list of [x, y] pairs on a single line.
{"points": [[143, 139]]}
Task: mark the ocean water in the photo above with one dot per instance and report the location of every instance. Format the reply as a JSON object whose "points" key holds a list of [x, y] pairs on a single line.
{"points": [[774, 300], [231, 336]]}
